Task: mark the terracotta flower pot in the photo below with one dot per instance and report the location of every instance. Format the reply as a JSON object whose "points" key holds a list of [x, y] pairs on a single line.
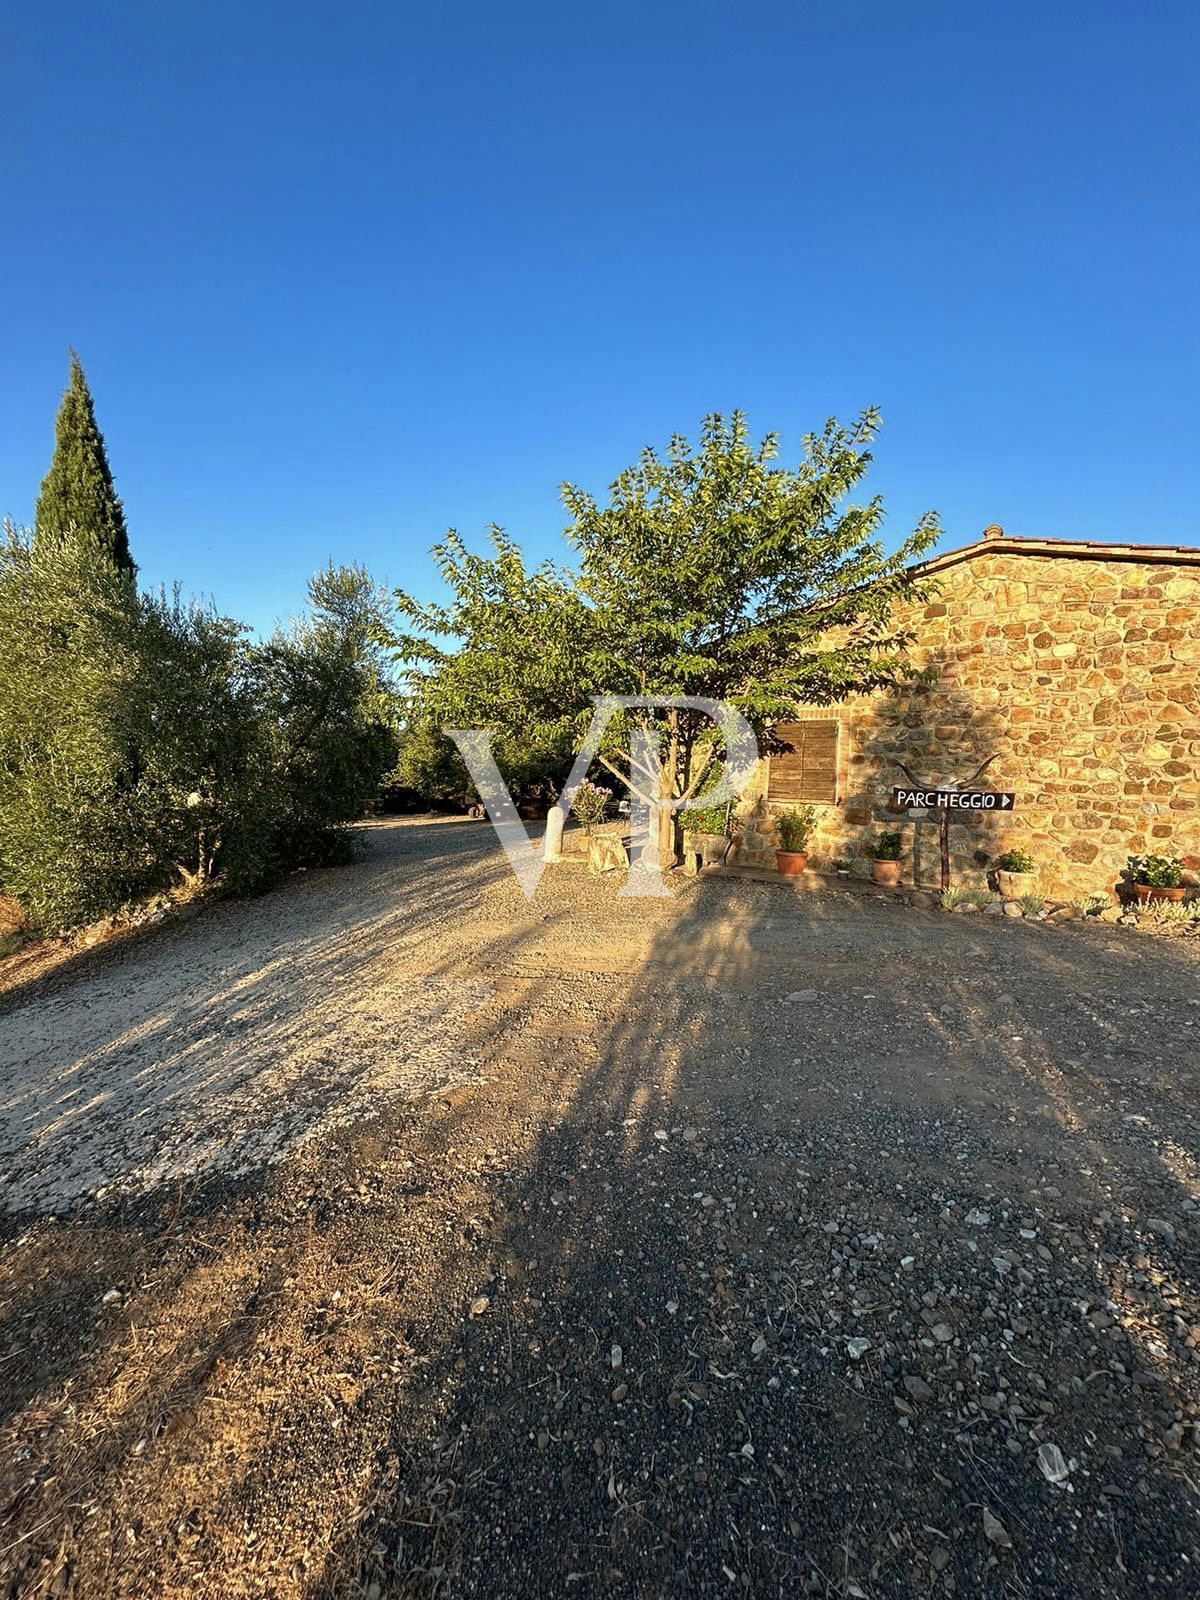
{"points": [[791, 863], [1147, 891], [886, 873]]}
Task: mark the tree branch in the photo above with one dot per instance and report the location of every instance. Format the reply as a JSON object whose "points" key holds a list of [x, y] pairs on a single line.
{"points": [[628, 782]]}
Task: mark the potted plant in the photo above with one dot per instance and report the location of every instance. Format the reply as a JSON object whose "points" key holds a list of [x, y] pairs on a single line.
{"points": [[1016, 873], [706, 833], [793, 828], [1158, 878], [842, 867], [885, 858]]}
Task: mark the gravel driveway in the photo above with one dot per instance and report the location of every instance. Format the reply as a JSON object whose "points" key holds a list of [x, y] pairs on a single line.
{"points": [[385, 1236], [233, 1041]]}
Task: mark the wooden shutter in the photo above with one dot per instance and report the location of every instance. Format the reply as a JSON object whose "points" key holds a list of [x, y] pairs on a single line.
{"points": [[808, 774]]}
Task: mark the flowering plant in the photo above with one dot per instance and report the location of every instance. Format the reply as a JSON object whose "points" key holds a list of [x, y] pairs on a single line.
{"points": [[589, 803]]}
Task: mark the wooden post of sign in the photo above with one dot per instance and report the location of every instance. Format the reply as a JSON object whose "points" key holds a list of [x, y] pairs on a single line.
{"points": [[944, 816]]}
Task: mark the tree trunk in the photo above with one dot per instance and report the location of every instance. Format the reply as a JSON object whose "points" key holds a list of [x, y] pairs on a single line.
{"points": [[666, 819]]}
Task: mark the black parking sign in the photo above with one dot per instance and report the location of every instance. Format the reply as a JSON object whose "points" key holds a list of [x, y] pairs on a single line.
{"points": [[974, 800]]}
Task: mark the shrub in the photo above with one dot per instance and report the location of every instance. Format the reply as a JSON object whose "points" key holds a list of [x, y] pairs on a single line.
{"points": [[1159, 872], [324, 734], [1032, 905], [887, 847], [1016, 861], [431, 769], [589, 803], [428, 765], [706, 819], [794, 827], [146, 742]]}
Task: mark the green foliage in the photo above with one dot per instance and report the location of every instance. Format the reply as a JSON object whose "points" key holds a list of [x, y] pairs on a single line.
{"points": [[712, 572], [706, 819], [840, 864], [1016, 861], [794, 827], [523, 651], [716, 572], [429, 763], [1159, 872], [77, 494], [430, 766], [888, 846], [589, 803], [146, 742], [69, 812], [325, 734], [1032, 905]]}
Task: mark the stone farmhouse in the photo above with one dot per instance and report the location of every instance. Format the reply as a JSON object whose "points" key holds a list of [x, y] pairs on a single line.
{"points": [[1077, 665]]}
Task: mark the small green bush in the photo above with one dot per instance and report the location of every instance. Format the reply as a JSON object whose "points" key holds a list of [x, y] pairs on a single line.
{"points": [[794, 827], [1016, 861], [705, 819], [888, 846], [1032, 905]]}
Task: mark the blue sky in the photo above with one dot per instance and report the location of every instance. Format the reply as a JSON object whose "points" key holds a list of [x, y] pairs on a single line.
{"points": [[345, 275]]}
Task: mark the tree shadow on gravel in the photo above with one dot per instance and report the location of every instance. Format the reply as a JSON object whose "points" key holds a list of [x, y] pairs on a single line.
{"points": [[595, 1326], [664, 1392]]}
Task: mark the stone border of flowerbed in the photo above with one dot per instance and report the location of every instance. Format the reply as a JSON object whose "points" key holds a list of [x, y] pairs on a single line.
{"points": [[1166, 918]]}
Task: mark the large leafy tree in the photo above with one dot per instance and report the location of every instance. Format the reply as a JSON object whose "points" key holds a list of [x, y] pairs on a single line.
{"points": [[509, 649], [77, 494], [711, 571]]}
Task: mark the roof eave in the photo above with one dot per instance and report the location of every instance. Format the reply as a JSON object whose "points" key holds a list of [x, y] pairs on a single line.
{"points": [[1070, 549]]}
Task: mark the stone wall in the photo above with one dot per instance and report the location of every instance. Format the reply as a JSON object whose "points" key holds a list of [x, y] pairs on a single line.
{"points": [[1082, 676]]}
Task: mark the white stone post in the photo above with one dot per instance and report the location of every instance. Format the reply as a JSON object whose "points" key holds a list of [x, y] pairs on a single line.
{"points": [[552, 846]]}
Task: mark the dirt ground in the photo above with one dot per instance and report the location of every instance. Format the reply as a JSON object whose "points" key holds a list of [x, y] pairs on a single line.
{"points": [[387, 1236]]}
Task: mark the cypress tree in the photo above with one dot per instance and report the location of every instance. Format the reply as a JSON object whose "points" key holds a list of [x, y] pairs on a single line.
{"points": [[77, 494]]}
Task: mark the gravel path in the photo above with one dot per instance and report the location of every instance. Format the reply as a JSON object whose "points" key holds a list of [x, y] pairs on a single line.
{"points": [[746, 1242], [234, 1040]]}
